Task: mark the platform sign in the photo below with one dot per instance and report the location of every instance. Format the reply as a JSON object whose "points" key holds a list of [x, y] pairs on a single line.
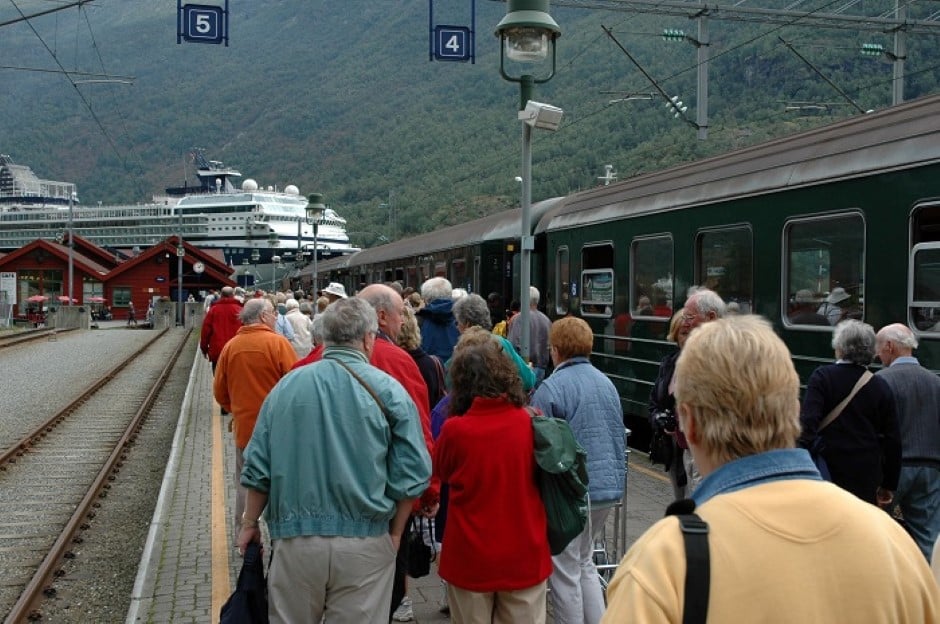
{"points": [[452, 43], [8, 287], [202, 23]]}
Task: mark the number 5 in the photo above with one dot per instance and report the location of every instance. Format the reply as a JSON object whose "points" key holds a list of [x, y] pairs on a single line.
{"points": [[203, 25]]}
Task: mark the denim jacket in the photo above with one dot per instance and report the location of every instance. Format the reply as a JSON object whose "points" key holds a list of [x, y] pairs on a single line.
{"points": [[776, 465]]}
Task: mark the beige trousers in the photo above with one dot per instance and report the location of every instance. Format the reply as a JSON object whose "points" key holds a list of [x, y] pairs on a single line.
{"points": [[338, 579], [523, 606]]}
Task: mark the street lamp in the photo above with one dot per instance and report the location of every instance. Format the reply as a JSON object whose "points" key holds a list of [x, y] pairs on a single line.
{"points": [[315, 209], [275, 262], [255, 256], [245, 272], [526, 34]]}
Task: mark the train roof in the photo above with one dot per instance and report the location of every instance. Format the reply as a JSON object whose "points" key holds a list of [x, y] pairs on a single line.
{"points": [[504, 225], [900, 137]]}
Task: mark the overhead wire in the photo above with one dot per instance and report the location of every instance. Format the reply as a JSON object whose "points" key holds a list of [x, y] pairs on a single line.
{"points": [[81, 96]]}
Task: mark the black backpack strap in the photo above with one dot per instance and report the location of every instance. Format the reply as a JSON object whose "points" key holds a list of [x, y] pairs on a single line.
{"points": [[698, 567]]}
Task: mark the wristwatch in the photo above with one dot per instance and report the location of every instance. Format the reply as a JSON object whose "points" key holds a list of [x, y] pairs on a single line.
{"points": [[249, 524]]}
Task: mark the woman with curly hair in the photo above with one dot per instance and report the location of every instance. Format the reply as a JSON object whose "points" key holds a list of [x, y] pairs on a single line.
{"points": [[497, 558]]}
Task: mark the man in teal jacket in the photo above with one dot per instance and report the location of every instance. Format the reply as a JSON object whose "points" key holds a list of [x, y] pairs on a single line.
{"points": [[336, 460]]}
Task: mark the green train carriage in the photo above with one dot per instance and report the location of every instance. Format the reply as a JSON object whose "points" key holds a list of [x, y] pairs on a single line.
{"points": [[773, 228]]}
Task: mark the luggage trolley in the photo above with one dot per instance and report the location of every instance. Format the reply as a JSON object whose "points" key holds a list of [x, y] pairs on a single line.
{"points": [[608, 551]]}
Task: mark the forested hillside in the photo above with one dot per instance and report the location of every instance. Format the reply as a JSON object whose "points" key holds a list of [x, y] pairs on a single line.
{"points": [[340, 98]]}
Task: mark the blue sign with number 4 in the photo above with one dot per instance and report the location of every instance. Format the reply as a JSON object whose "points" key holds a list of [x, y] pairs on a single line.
{"points": [[452, 43]]}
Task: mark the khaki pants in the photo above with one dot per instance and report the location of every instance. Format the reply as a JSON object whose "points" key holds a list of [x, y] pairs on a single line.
{"points": [[340, 579], [522, 606]]}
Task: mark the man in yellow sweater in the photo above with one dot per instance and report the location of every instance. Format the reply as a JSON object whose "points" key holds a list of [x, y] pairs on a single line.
{"points": [[784, 545]]}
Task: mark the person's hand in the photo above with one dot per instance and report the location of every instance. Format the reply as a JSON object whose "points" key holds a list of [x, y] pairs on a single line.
{"points": [[246, 535], [884, 497]]}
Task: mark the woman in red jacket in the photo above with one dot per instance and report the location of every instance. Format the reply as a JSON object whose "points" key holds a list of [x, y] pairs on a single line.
{"points": [[497, 558]]}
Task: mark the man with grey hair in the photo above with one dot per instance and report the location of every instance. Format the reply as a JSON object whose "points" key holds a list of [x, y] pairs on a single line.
{"points": [[250, 365], [539, 326], [436, 318], [702, 306], [336, 461], [917, 399]]}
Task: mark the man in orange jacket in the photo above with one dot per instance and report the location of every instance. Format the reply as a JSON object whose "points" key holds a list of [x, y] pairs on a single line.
{"points": [[250, 365]]}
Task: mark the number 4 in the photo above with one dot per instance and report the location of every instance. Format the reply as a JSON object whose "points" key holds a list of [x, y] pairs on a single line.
{"points": [[453, 44]]}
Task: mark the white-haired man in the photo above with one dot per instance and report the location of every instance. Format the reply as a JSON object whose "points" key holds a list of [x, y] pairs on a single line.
{"points": [[539, 327], [337, 459], [782, 544], [438, 332], [917, 400]]}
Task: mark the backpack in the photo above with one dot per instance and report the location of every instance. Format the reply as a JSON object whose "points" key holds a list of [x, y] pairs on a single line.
{"points": [[561, 474]]}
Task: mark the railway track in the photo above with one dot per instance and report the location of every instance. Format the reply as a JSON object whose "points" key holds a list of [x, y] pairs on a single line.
{"points": [[30, 335], [52, 478]]}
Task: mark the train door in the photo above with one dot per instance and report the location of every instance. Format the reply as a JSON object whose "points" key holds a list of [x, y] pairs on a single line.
{"points": [[923, 289]]}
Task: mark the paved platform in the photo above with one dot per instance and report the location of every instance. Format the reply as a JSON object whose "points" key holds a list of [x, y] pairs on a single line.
{"points": [[189, 565]]}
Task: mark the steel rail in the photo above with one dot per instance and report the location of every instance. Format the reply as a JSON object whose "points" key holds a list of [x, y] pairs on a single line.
{"points": [[39, 432], [30, 335], [26, 607]]}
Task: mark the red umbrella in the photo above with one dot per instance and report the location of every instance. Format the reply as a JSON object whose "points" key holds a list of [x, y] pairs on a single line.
{"points": [[65, 299], [37, 298], [96, 299]]}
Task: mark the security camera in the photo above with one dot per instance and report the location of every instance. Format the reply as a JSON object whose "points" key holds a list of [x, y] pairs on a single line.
{"points": [[539, 115]]}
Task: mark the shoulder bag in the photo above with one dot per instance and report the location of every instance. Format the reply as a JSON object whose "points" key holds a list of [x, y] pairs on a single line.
{"points": [[817, 448]]}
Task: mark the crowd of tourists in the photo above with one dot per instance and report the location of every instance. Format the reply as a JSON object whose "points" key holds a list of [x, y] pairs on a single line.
{"points": [[367, 423]]}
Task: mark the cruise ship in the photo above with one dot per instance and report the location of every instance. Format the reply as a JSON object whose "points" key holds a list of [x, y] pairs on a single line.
{"points": [[247, 223]]}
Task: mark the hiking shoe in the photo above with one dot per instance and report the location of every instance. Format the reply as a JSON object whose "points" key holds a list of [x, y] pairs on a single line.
{"points": [[404, 612]]}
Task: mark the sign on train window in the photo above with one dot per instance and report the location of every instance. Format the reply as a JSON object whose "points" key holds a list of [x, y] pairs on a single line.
{"points": [[925, 287], [724, 263], [597, 279], [651, 282], [563, 281], [825, 270], [597, 292]]}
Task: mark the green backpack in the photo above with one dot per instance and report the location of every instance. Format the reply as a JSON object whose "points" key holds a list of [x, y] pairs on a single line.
{"points": [[562, 479]]}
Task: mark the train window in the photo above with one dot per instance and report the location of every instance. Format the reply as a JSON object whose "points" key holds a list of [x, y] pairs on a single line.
{"points": [[562, 280], [458, 273], [411, 277], [597, 280], [724, 263], [825, 270], [651, 283], [925, 287]]}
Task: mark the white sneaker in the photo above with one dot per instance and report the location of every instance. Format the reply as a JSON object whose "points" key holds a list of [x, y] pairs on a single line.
{"points": [[445, 606], [404, 612]]}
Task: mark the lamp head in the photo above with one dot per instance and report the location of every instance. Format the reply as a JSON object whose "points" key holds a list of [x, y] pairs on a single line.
{"points": [[315, 207], [255, 255], [527, 31]]}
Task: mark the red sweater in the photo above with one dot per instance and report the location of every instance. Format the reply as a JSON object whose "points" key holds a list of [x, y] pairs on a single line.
{"points": [[496, 537], [396, 362], [220, 325]]}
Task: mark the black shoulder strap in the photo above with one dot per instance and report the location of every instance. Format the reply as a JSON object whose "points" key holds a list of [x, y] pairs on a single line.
{"points": [[698, 567]]}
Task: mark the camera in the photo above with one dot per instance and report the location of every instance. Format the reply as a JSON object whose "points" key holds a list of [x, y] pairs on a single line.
{"points": [[665, 421]]}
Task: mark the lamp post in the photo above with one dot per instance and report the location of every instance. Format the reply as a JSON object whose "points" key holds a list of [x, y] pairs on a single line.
{"points": [[526, 33], [255, 256], [315, 209], [245, 272], [275, 262], [273, 242]]}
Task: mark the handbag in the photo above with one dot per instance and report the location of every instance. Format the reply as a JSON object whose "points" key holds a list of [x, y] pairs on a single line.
{"points": [[248, 604], [420, 554], [817, 448]]}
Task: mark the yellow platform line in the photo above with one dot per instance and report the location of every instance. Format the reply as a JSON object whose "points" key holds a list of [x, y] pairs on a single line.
{"points": [[221, 582], [649, 472]]}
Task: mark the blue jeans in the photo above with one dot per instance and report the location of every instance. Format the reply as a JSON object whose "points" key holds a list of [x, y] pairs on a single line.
{"points": [[918, 496]]}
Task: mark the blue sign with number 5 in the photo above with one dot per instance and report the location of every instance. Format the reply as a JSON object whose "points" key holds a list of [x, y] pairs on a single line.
{"points": [[202, 23]]}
